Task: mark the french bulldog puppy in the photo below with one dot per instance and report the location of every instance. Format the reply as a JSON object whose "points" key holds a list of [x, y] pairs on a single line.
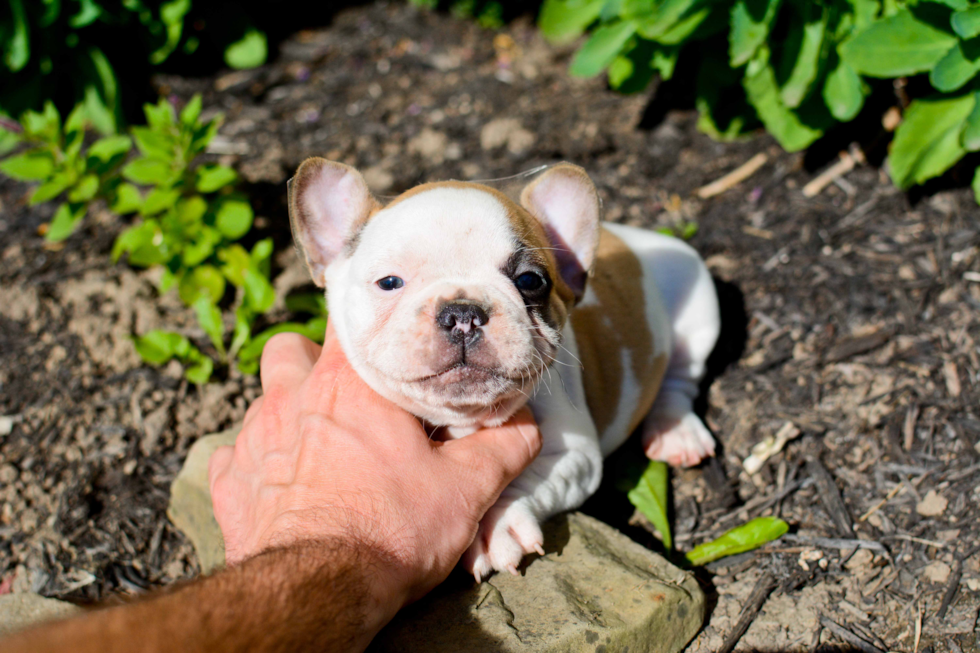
{"points": [[461, 305]]}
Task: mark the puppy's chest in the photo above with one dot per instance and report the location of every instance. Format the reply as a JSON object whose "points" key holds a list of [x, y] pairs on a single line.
{"points": [[622, 340]]}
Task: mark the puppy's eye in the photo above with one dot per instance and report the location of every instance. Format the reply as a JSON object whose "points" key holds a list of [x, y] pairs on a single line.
{"points": [[391, 283], [529, 282]]}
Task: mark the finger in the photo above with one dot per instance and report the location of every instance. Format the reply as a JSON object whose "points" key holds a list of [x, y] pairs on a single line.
{"points": [[287, 360], [218, 464], [499, 454], [252, 411]]}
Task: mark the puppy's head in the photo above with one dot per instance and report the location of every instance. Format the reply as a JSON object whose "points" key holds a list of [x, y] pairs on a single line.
{"points": [[450, 300]]}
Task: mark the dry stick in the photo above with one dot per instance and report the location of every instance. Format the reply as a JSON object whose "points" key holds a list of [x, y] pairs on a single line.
{"points": [[762, 590], [733, 178], [830, 497], [825, 178], [848, 636], [954, 582]]}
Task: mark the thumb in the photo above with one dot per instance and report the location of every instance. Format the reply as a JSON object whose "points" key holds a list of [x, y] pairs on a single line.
{"points": [[496, 456]]}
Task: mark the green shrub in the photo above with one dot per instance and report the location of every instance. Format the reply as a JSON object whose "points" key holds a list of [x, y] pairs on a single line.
{"points": [[189, 219], [796, 66]]}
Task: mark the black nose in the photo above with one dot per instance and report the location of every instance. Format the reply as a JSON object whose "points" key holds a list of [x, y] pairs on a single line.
{"points": [[460, 321]]}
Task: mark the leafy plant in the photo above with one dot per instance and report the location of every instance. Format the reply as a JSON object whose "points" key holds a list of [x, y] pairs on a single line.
{"points": [[796, 66], [189, 219], [488, 13]]}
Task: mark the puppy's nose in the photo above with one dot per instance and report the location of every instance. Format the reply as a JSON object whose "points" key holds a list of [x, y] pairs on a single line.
{"points": [[460, 320]]}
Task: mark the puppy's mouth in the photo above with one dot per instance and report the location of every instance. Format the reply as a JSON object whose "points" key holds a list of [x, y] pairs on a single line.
{"points": [[465, 373]]}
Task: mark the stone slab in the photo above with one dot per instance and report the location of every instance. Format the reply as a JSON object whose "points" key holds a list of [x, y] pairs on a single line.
{"points": [[18, 611], [594, 590]]}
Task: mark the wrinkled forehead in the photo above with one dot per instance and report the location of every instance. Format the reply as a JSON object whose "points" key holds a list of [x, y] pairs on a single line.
{"points": [[457, 227]]}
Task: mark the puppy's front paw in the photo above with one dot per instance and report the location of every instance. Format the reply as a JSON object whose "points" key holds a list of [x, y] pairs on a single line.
{"points": [[506, 534], [681, 442]]}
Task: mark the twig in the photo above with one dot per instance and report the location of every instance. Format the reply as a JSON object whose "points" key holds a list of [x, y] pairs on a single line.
{"points": [[836, 543], [733, 178], [954, 582], [917, 540], [830, 496], [760, 593], [825, 178], [849, 637]]}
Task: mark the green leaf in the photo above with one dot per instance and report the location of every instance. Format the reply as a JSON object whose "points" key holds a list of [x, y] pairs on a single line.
{"points": [[191, 111], [128, 199], [650, 497], [17, 49], [308, 302], [242, 331], [56, 185], [209, 317], [87, 14], [804, 70], [260, 256], [843, 92], [159, 116], [684, 28], [154, 143], [204, 280], [199, 372], [664, 18], [970, 136], [958, 67], [44, 126], [234, 218], [562, 21], [740, 539], [259, 293], [619, 71], [664, 60], [927, 142], [248, 357], [248, 52], [172, 14], [101, 96], [105, 149], [976, 185], [750, 22], [204, 134], [763, 93], [896, 46], [141, 235], [724, 113], [602, 48], [64, 223], [149, 172], [85, 189], [158, 347], [159, 199], [201, 247], [236, 260], [191, 209], [966, 23], [214, 177], [33, 165]]}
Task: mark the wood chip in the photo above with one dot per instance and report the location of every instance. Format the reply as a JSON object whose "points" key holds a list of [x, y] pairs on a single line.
{"points": [[952, 376], [933, 504], [825, 178], [852, 346], [733, 178], [849, 637]]}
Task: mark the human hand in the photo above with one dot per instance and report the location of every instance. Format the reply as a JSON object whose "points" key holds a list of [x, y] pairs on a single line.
{"points": [[321, 456]]}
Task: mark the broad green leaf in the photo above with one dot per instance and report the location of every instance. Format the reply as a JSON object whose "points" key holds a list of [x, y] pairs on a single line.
{"points": [[209, 317], [976, 185], [54, 186], [191, 209], [259, 293], [865, 12], [602, 47], [958, 67], [804, 70], [780, 121], [149, 172], [172, 14], [896, 46], [927, 142], [33, 165], [248, 52], [45, 126], [199, 371], [204, 280], [167, 280], [159, 199], [234, 218], [260, 255], [958, 5], [235, 261], [619, 71], [191, 111], [102, 103], [750, 22], [650, 497], [97, 112], [966, 23], [77, 120], [201, 247], [158, 347], [664, 18], [970, 136], [664, 61], [85, 189], [740, 539], [686, 26], [843, 92], [128, 199], [154, 143], [159, 116], [562, 21], [105, 149], [214, 177], [64, 223], [142, 235], [17, 49]]}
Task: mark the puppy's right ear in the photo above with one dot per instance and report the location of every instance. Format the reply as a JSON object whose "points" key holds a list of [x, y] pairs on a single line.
{"points": [[328, 204]]}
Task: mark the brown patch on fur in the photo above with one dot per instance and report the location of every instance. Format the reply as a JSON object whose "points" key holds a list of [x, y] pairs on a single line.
{"points": [[617, 322]]}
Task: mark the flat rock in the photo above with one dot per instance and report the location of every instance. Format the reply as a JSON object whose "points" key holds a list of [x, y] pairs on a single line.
{"points": [[190, 501], [594, 589], [18, 611]]}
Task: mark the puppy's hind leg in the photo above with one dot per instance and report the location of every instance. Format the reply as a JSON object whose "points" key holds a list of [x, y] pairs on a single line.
{"points": [[671, 431]]}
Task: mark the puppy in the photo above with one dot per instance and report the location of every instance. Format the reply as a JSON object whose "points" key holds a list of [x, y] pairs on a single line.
{"points": [[461, 304]]}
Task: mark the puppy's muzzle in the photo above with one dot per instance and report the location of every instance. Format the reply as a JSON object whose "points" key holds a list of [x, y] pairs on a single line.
{"points": [[460, 322]]}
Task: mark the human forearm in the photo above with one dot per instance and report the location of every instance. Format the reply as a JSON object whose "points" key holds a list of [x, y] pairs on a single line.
{"points": [[325, 596]]}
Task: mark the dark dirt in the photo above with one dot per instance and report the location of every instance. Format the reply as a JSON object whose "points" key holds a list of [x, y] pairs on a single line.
{"points": [[849, 316]]}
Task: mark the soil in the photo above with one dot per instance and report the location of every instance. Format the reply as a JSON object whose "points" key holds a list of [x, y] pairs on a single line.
{"points": [[848, 317]]}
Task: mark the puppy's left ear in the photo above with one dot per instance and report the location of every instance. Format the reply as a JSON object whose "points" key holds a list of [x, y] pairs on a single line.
{"points": [[564, 200], [328, 203]]}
